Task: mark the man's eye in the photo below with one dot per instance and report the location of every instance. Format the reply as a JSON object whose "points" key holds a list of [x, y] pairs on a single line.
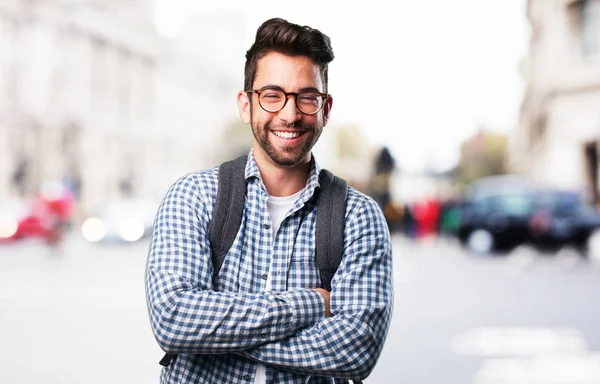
{"points": [[310, 98], [271, 96]]}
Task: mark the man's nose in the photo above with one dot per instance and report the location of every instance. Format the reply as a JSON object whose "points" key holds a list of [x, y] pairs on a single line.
{"points": [[289, 113]]}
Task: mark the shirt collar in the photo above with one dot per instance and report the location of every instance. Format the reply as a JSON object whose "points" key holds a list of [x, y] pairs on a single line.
{"points": [[251, 167], [311, 184]]}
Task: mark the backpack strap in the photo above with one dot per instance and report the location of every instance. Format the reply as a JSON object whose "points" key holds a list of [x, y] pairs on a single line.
{"points": [[331, 219], [228, 211], [227, 218]]}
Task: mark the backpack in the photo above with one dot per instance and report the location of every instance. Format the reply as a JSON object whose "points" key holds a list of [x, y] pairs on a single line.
{"points": [[229, 207]]}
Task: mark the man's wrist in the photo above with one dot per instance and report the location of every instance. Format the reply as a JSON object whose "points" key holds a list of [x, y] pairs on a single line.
{"points": [[307, 306], [326, 298]]}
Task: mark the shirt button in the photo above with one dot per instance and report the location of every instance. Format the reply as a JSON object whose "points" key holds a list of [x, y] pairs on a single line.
{"points": [[266, 226], [263, 335], [264, 276], [246, 377]]}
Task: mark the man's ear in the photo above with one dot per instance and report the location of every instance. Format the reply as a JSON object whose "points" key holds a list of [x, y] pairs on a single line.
{"points": [[244, 106], [327, 110]]}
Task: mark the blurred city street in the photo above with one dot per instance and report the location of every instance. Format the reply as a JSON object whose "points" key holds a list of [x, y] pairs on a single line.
{"points": [[468, 122], [78, 315]]}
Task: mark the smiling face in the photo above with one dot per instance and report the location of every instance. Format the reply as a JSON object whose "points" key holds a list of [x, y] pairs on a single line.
{"points": [[286, 137]]}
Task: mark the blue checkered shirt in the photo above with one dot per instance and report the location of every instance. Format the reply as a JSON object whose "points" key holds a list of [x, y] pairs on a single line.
{"points": [[222, 327]]}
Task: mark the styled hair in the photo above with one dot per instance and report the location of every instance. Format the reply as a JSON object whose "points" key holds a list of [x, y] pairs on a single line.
{"points": [[279, 35]]}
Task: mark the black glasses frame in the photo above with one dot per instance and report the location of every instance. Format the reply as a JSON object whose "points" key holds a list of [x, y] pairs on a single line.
{"points": [[325, 96]]}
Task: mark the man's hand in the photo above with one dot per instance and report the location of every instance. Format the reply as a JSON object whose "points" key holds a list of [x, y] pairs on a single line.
{"points": [[325, 295]]}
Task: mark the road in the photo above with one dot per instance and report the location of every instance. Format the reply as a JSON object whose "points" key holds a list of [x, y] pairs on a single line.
{"points": [[78, 315]]}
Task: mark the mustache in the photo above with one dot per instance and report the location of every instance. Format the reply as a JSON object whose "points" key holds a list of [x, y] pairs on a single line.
{"points": [[295, 125]]}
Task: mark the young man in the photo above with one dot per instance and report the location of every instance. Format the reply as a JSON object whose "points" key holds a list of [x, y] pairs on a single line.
{"points": [[264, 317]]}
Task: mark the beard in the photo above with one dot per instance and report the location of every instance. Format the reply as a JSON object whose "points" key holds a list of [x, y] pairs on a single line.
{"points": [[286, 155]]}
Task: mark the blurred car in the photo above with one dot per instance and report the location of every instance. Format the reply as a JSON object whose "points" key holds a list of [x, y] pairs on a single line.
{"points": [[496, 214], [500, 212], [561, 217], [125, 221], [20, 219]]}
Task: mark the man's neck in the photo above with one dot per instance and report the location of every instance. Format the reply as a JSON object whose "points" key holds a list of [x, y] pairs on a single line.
{"points": [[282, 180]]}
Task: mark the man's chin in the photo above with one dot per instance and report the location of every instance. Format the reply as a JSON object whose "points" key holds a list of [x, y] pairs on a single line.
{"points": [[288, 161], [285, 162]]}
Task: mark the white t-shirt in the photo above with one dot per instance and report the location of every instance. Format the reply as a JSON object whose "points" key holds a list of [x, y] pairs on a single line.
{"points": [[278, 208]]}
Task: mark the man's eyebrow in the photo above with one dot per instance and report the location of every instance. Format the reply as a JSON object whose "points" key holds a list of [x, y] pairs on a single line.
{"points": [[272, 87], [305, 89]]}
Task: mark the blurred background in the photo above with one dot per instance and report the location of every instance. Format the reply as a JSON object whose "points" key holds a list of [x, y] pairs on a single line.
{"points": [[474, 124]]}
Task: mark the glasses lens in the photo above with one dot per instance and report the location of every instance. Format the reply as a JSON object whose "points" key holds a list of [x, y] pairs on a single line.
{"points": [[272, 100], [309, 102]]}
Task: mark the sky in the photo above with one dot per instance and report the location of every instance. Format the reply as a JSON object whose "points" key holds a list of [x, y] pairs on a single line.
{"points": [[417, 76]]}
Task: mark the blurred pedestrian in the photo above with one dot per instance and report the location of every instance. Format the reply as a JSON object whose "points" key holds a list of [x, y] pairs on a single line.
{"points": [[265, 316], [381, 178], [427, 214], [19, 176], [449, 218], [408, 221]]}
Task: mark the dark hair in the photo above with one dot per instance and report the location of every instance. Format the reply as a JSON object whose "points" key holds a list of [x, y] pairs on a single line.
{"points": [[279, 35]]}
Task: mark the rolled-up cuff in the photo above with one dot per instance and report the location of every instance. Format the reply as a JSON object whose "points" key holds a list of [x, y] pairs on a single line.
{"points": [[307, 306]]}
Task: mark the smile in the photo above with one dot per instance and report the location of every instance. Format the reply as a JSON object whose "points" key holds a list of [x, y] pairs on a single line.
{"points": [[287, 135]]}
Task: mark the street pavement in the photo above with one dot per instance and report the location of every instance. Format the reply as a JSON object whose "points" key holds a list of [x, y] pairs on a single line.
{"points": [[521, 318], [78, 315]]}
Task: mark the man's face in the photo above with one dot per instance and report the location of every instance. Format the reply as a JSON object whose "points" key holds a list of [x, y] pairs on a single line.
{"points": [[285, 137]]}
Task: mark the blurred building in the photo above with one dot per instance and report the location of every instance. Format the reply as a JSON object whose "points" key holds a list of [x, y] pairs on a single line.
{"points": [[483, 154], [90, 94], [559, 130], [348, 153]]}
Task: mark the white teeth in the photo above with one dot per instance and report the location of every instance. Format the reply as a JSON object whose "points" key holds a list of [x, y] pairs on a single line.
{"points": [[287, 135]]}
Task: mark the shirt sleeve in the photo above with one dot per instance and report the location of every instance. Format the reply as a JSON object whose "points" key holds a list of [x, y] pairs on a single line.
{"points": [[348, 344], [186, 314]]}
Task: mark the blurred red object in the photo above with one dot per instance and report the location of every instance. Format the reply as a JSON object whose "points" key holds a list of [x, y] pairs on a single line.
{"points": [[540, 223], [23, 219], [45, 217], [427, 214]]}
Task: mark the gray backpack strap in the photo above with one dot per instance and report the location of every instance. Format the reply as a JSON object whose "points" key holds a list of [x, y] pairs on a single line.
{"points": [[331, 219], [226, 220], [228, 210]]}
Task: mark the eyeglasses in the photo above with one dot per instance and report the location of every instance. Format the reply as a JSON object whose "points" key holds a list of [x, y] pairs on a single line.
{"points": [[273, 100]]}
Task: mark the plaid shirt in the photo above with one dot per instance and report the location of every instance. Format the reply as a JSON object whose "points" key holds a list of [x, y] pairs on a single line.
{"points": [[220, 328]]}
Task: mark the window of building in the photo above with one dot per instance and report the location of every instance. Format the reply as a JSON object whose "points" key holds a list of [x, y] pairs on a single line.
{"points": [[124, 82], [590, 27], [9, 69], [99, 75]]}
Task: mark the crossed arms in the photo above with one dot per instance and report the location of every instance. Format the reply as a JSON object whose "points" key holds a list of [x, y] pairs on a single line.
{"points": [[289, 330]]}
